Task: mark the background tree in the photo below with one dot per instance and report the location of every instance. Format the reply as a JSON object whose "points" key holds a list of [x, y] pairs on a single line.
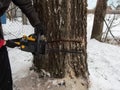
{"points": [[24, 19], [100, 13], [111, 21], [65, 22]]}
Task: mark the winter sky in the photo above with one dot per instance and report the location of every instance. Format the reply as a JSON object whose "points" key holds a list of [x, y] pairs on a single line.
{"points": [[92, 3]]}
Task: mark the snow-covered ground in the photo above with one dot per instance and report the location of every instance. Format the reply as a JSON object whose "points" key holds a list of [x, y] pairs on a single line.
{"points": [[104, 66], [20, 61], [103, 59]]}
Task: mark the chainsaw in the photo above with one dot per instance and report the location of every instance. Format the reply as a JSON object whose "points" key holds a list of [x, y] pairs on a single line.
{"points": [[36, 44], [32, 43]]}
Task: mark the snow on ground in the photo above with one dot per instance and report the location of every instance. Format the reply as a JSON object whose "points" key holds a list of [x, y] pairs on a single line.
{"points": [[104, 66], [103, 59], [20, 61]]}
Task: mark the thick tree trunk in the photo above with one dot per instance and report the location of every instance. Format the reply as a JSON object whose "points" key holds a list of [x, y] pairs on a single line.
{"points": [[65, 22], [100, 12]]}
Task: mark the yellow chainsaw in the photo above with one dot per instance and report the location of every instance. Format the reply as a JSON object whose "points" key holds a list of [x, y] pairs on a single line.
{"points": [[32, 43]]}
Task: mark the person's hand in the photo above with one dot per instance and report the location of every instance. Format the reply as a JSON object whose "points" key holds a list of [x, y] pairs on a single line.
{"points": [[39, 29], [11, 44]]}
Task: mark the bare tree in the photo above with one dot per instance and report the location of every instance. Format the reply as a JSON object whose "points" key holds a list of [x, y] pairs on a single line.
{"points": [[100, 13], [65, 22], [111, 21]]}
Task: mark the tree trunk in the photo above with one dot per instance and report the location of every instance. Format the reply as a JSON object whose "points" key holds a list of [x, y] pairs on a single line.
{"points": [[100, 12], [65, 22], [12, 11]]}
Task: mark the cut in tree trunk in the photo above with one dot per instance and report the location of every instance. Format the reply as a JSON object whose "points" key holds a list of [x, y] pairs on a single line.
{"points": [[65, 22], [100, 12]]}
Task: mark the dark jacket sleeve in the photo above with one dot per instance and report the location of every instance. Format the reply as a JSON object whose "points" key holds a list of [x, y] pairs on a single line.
{"points": [[28, 9]]}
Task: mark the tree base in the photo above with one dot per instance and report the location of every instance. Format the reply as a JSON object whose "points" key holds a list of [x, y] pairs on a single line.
{"points": [[33, 82]]}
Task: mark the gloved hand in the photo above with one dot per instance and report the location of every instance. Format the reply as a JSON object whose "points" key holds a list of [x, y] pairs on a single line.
{"points": [[11, 44], [39, 29]]}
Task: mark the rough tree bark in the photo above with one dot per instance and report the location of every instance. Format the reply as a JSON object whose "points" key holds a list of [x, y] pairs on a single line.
{"points": [[65, 22], [100, 13]]}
